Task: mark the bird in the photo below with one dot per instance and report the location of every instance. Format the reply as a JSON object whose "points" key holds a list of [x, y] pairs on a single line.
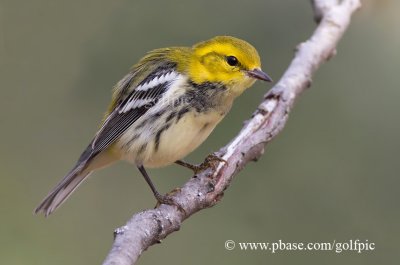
{"points": [[163, 109]]}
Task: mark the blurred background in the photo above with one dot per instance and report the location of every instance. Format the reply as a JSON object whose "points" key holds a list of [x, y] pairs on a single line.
{"points": [[332, 174]]}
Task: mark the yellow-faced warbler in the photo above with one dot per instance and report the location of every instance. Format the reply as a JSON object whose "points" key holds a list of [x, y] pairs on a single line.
{"points": [[164, 108]]}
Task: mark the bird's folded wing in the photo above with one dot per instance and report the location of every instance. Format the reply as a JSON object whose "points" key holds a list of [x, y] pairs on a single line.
{"points": [[129, 110]]}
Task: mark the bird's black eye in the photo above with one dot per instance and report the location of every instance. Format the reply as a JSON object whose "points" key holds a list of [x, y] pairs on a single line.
{"points": [[232, 60]]}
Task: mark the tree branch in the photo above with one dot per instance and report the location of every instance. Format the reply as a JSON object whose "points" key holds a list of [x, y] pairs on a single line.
{"points": [[207, 188]]}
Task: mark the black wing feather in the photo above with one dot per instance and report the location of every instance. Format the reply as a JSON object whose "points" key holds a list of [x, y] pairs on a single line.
{"points": [[119, 121]]}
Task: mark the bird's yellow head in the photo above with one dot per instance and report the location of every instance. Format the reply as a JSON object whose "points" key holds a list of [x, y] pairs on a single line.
{"points": [[227, 60]]}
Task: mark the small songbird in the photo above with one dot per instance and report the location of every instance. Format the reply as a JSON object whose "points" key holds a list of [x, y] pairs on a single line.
{"points": [[164, 108]]}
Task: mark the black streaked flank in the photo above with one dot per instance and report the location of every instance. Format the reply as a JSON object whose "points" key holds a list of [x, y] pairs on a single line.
{"points": [[142, 124], [170, 116], [158, 136], [156, 115], [141, 149], [182, 112]]}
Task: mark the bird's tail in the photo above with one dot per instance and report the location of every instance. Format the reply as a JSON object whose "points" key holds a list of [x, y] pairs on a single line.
{"points": [[85, 166], [62, 191]]}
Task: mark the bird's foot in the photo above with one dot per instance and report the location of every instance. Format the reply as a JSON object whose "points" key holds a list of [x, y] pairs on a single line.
{"points": [[168, 200], [211, 161]]}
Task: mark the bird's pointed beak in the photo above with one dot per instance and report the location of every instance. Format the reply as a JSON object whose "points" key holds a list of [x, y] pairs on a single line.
{"points": [[258, 74]]}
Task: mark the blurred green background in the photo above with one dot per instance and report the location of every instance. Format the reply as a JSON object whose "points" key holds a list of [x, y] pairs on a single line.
{"points": [[332, 174]]}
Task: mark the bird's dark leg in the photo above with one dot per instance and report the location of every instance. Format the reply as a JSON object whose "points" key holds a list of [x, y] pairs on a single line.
{"points": [[210, 162], [161, 199], [195, 168]]}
